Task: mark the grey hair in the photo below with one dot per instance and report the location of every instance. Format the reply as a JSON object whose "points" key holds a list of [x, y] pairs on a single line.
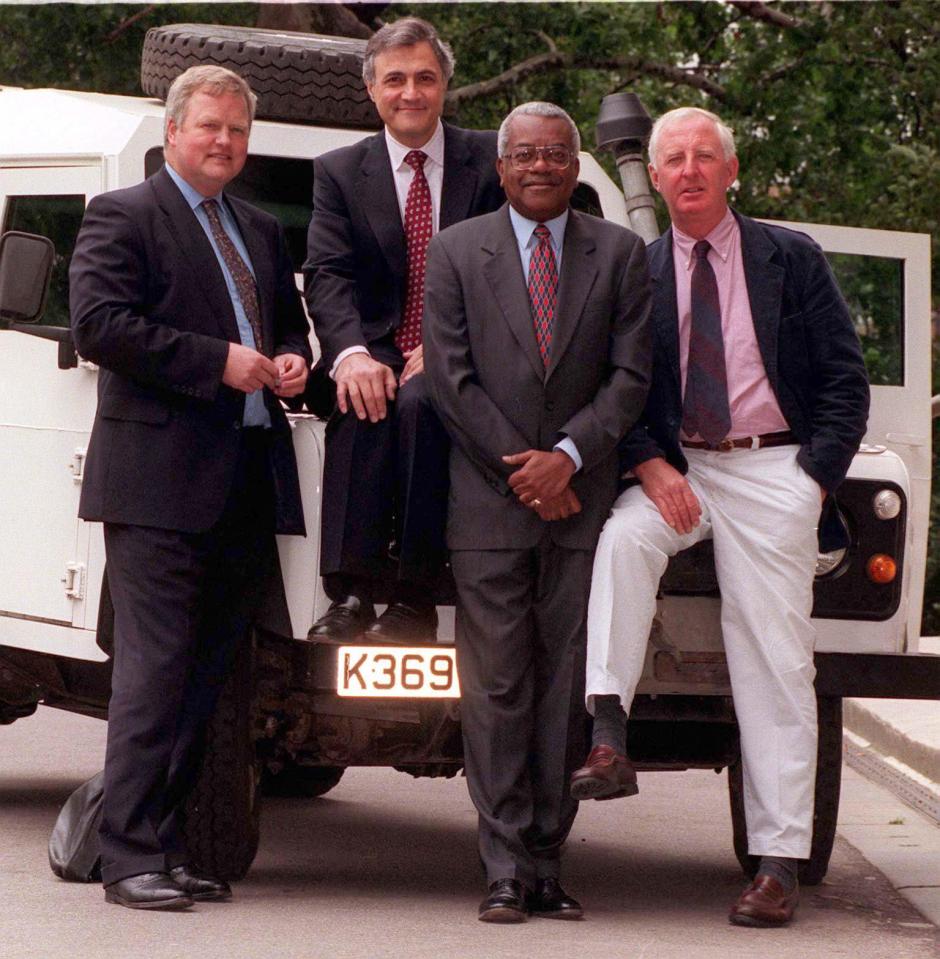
{"points": [[406, 33], [536, 108], [207, 78], [725, 133]]}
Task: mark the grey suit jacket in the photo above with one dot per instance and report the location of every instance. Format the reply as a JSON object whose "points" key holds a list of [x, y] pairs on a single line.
{"points": [[492, 391]]}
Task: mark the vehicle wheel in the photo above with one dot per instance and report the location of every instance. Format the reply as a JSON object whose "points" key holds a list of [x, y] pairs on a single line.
{"points": [[298, 77], [826, 808], [301, 782], [223, 812]]}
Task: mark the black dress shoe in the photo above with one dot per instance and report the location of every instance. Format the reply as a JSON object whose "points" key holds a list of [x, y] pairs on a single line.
{"points": [[505, 903], [403, 624], [343, 622], [200, 886], [149, 890], [550, 901]]}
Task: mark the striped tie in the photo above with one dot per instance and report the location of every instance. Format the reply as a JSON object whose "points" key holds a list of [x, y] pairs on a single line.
{"points": [[705, 409]]}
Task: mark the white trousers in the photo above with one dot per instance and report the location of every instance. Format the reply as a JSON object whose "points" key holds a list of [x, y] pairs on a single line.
{"points": [[760, 508]]}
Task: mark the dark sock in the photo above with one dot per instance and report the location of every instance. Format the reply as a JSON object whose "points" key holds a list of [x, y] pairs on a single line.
{"points": [[420, 597], [610, 723], [781, 869], [339, 586]]}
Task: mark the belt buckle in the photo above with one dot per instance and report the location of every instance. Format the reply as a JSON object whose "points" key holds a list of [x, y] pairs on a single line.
{"points": [[725, 446]]}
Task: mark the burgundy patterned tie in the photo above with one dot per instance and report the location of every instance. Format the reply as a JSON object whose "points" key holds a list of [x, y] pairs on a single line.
{"points": [[543, 289], [244, 281], [705, 407], [418, 226]]}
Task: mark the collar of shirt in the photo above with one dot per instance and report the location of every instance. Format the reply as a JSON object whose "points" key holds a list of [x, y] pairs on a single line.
{"points": [[524, 230], [721, 239], [190, 194], [434, 148]]}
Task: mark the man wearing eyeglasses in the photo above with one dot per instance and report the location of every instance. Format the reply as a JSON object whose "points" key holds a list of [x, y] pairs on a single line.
{"points": [[538, 358]]}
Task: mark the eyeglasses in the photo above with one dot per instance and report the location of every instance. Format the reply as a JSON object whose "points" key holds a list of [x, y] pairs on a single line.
{"points": [[524, 158]]}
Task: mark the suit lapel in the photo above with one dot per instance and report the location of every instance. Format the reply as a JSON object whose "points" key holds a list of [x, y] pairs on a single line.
{"points": [[764, 290], [196, 253], [460, 179], [665, 311], [376, 187], [503, 271], [578, 273], [260, 256]]}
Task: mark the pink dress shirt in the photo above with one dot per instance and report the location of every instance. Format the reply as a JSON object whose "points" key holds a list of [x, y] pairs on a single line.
{"points": [[754, 408]]}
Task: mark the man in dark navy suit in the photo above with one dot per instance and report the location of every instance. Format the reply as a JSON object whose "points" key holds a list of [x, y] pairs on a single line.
{"points": [[758, 403], [375, 207], [185, 298]]}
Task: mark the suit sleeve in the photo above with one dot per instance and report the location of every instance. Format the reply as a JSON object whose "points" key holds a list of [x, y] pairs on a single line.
{"points": [[291, 328], [598, 427], [471, 418], [329, 273], [109, 291], [839, 414]]}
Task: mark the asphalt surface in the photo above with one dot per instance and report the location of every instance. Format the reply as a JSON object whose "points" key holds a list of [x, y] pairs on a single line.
{"points": [[386, 866]]}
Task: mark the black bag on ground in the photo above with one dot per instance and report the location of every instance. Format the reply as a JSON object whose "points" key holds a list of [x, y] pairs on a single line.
{"points": [[73, 846]]}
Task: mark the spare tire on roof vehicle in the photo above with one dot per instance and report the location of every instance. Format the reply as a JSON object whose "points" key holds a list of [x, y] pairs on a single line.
{"points": [[297, 77]]}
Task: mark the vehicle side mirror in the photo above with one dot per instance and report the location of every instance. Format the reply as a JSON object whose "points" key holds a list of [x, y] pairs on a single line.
{"points": [[25, 268]]}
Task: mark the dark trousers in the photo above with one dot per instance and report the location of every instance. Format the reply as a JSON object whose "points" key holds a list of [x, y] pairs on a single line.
{"points": [[182, 603], [384, 482], [520, 654]]}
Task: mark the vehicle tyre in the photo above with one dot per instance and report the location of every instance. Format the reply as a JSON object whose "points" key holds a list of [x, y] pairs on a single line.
{"points": [[297, 77], [300, 782], [223, 813], [826, 802]]}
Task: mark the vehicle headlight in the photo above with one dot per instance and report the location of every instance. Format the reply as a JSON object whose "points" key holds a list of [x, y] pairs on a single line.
{"points": [[886, 504], [828, 563]]}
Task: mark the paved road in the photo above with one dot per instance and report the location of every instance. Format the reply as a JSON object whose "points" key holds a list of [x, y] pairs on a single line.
{"points": [[386, 866]]}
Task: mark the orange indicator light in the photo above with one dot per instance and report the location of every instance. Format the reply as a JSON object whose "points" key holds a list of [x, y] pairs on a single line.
{"points": [[881, 568]]}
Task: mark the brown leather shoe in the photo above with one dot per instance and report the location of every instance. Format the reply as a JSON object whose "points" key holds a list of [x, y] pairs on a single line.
{"points": [[605, 775], [764, 903]]}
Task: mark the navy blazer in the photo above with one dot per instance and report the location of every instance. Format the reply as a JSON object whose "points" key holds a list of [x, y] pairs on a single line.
{"points": [[150, 306], [809, 346]]}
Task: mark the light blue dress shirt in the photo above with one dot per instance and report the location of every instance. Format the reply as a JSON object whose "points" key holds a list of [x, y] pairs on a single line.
{"points": [[527, 240], [255, 412]]}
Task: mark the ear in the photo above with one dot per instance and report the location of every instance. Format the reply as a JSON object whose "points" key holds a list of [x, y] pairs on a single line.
{"points": [[171, 129], [654, 176], [732, 171], [370, 88], [500, 166]]}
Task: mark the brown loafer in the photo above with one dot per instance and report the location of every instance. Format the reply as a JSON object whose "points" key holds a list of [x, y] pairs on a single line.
{"points": [[605, 774], [764, 903]]}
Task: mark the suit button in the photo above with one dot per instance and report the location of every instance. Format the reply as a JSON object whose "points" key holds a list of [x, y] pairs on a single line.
{"points": [[237, 425], [549, 405]]}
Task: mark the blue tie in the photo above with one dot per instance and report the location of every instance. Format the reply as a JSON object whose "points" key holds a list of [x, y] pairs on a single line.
{"points": [[705, 407]]}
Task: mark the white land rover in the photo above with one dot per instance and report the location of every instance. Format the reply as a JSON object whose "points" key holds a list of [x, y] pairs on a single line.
{"points": [[295, 715]]}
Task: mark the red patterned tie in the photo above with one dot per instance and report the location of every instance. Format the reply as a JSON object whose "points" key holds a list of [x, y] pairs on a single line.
{"points": [[543, 290], [244, 281], [418, 226]]}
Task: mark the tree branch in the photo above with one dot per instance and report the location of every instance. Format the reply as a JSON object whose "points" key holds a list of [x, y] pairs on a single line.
{"points": [[129, 22], [760, 11]]}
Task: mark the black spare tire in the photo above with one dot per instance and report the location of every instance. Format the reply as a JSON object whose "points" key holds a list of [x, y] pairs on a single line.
{"points": [[298, 77]]}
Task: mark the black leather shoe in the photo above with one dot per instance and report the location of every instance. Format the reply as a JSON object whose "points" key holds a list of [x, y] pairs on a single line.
{"points": [[343, 622], [403, 624], [505, 903], [149, 890], [550, 901], [199, 886]]}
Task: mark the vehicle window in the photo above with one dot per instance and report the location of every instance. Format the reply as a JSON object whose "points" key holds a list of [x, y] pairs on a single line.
{"points": [[585, 200], [283, 187], [873, 287], [57, 217]]}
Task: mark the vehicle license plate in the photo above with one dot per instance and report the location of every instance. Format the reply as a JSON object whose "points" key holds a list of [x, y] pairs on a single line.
{"points": [[417, 672]]}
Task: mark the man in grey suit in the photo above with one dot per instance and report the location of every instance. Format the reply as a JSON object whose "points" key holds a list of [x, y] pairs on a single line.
{"points": [[536, 387]]}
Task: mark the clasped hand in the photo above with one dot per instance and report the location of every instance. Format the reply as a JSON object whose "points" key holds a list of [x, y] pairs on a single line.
{"points": [[542, 482], [247, 370]]}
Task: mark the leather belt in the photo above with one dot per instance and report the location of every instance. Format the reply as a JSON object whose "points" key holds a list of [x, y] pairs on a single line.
{"points": [[785, 438]]}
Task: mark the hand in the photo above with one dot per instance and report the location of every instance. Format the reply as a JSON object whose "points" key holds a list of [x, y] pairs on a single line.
{"points": [[292, 374], [561, 507], [541, 475], [671, 493], [366, 384], [248, 370], [414, 364]]}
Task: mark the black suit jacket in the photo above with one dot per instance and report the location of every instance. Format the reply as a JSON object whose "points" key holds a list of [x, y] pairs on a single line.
{"points": [[495, 396], [356, 269], [807, 341], [150, 306]]}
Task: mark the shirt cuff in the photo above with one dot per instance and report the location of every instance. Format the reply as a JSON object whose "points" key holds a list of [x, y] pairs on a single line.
{"points": [[566, 445], [342, 356]]}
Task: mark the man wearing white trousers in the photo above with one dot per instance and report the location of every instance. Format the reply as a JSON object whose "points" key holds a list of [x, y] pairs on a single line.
{"points": [[758, 403]]}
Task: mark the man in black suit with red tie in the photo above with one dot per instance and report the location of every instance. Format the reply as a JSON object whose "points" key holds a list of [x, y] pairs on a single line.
{"points": [[375, 206], [185, 298]]}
